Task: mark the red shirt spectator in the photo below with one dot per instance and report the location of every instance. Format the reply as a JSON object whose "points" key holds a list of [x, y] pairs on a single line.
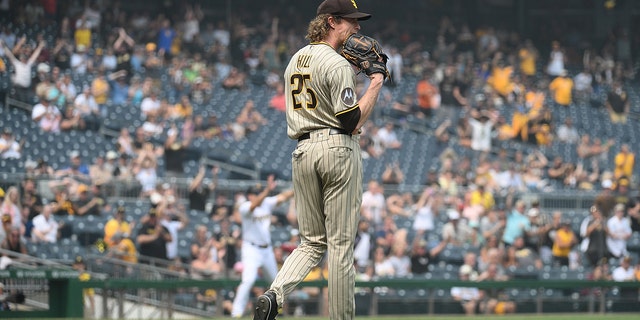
{"points": [[278, 100]]}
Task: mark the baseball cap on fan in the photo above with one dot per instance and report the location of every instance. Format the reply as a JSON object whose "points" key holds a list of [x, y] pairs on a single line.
{"points": [[342, 8]]}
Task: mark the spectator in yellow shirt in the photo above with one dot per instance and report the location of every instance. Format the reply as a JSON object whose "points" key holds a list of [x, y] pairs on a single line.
{"points": [[528, 56], [624, 162], [561, 88], [519, 124], [182, 109], [544, 136], [123, 248], [500, 80], [482, 197], [82, 35], [563, 243], [115, 225], [100, 91], [534, 100]]}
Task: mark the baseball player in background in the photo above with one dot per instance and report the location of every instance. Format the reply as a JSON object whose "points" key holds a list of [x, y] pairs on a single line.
{"points": [[256, 239], [324, 116]]}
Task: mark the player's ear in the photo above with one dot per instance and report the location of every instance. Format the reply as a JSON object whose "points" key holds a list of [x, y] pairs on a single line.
{"points": [[332, 21]]}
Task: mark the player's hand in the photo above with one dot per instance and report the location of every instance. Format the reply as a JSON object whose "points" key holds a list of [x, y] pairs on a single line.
{"points": [[271, 182]]}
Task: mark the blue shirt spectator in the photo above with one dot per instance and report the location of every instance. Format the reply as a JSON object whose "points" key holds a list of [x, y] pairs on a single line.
{"points": [[517, 223], [76, 166], [165, 37], [119, 91], [137, 59]]}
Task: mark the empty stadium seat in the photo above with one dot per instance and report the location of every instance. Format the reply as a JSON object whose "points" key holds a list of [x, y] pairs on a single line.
{"points": [[633, 244], [452, 255], [530, 272], [280, 235]]}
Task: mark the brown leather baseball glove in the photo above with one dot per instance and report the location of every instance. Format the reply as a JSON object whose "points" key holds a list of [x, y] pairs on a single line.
{"points": [[365, 53]]}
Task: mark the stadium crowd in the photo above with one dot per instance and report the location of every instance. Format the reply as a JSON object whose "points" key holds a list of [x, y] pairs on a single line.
{"points": [[504, 87]]}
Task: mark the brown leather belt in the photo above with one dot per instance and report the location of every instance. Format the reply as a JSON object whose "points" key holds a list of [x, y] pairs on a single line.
{"points": [[332, 131]]}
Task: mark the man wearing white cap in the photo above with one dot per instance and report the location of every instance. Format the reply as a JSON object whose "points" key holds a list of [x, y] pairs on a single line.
{"points": [[111, 158], [618, 231], [46, 115], [9, 147], [467, 296], [605, 200], [456, 231]]}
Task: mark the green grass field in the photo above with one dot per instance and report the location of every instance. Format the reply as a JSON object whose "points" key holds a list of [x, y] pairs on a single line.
{"points": [[577, 316]]}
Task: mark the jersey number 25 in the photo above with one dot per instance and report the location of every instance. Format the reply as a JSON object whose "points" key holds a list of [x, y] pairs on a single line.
{"points": [[299, 86]]}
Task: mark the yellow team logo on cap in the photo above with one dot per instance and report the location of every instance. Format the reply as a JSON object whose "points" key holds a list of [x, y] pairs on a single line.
{"points": [[354, 4]]}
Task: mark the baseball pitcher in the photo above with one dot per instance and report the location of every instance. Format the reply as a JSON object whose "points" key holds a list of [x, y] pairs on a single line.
{"points": [[324, 115]]}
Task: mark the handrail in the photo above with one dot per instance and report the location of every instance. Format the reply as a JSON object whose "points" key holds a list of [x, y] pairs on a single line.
{"points": [[27, 260], [9, 101], [398, 283], [155, 265], [240, 185], [420, 282]]}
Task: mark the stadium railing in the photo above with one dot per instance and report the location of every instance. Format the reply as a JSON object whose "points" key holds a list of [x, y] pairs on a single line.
{"points": [[376, 297]]}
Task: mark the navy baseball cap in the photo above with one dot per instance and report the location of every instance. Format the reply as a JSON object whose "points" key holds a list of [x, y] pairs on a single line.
{"points": [[342, 8]]}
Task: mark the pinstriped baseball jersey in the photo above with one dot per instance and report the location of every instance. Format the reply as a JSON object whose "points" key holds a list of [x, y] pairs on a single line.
{"points": [[327, 174], [321, 84], [327, 162]]}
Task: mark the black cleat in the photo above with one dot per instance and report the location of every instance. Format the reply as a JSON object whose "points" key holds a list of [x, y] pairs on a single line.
{"points": [[266, 306]]}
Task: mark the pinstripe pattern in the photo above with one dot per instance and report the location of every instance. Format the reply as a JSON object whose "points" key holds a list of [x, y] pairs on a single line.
{"points": [[329, 73], [327, 175], [327, 172]]}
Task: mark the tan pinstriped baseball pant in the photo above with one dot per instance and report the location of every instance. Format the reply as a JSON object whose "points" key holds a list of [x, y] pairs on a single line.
{"points": [[327, 179]]}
